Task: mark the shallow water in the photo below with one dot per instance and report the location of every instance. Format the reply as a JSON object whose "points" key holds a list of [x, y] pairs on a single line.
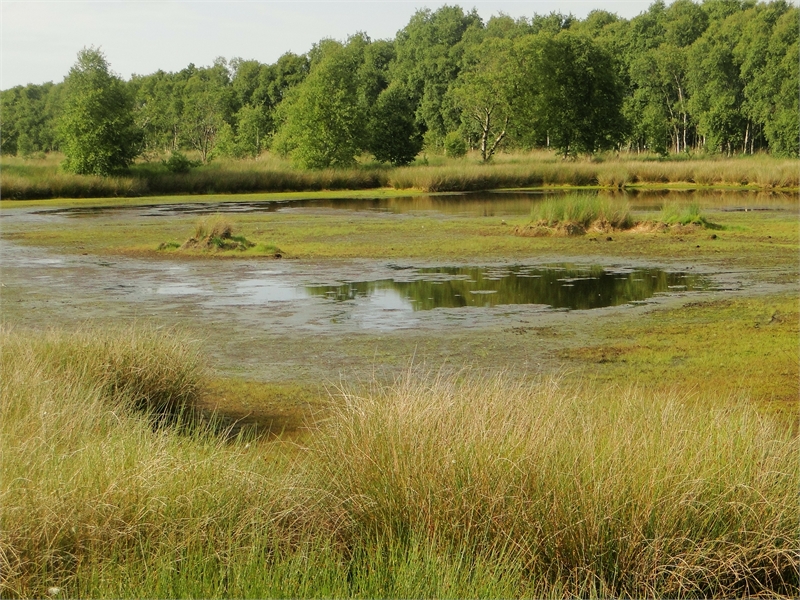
{"points": [[489, 204], [553, 286], [331, 297]]}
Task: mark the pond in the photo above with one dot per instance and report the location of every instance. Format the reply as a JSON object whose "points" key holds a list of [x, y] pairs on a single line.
{"points": [[335, 296], [554, 286]]}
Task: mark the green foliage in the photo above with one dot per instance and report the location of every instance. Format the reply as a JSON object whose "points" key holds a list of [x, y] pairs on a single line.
{"points": [[428, 60], [393, 132], [719, 76], [28, 119], [487, 92], [97, 131], [454, 145], [573, 94], [322, 121], [179, 163], [207, 107]]}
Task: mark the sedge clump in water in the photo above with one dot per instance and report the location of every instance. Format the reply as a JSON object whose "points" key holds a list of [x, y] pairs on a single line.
{"points": [[217, 233], [577, 215], [675, 214]]}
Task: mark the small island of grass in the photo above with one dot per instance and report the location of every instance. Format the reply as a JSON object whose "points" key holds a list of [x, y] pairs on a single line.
{"points": [[216, 234]]}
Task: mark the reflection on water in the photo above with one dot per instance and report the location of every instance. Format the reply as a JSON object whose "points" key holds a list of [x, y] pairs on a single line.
{"points": [[488, 204], [558, 287]]}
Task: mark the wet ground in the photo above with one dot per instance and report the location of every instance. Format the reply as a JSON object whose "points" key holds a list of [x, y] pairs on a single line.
{"points": [[318, 321]]}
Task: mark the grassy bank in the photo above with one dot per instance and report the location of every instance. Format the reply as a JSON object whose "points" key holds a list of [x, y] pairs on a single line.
{"points": [[41, 178], [431, 486], [762, 238]]}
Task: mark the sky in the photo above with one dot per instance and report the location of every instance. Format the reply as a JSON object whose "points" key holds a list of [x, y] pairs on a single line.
{"points": [[40, 39]]}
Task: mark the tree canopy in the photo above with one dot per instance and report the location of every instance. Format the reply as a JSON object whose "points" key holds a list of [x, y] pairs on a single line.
{"points": [[717, 76], [96, 126]]}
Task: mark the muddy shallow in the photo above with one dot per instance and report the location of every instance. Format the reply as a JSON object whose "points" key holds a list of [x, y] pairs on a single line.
{"points": [[335, 297], [314, 320]]}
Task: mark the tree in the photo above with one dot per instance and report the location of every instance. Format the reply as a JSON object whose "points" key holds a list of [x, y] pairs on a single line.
{"points": [[158, 109], [97, 131], [428, 59], [393, 133], [782, 74], [715, 86], [486, 91], [207, 108], [322, 121], [572, 92]]}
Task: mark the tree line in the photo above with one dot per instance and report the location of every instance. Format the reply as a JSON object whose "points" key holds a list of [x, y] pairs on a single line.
{"points": [[719, 76]]}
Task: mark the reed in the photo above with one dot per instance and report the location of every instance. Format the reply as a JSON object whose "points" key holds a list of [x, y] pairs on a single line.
{"points": [[33, 178]]}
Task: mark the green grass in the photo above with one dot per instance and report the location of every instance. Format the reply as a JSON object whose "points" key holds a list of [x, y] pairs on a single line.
{"points": [[41, 178], [582, 211], [430, 486], [739, 345], [676, 214]]}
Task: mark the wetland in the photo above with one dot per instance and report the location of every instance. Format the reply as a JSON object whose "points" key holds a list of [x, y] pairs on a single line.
{"points": [[370, 284], [420, 328]]}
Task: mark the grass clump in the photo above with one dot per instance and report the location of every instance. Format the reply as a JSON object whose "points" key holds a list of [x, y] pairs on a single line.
{"points": [[93, 496], [676, 214], [431, 486], [608, 492], [215, 233], [155, 374], [575, 214]]}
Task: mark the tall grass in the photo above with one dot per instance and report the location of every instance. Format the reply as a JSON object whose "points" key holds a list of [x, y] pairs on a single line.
{"points": [[583, 211], [431, 486], [30, 178], [609, 493]]}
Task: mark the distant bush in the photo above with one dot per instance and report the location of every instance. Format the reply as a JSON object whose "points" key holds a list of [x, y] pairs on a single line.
{"points": [[454, 145], [179, 163]]}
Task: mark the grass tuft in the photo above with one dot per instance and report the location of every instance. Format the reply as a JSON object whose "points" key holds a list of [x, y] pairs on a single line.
{"points": [[432, 486], [676, 214], [575, 214], [213, 233]]}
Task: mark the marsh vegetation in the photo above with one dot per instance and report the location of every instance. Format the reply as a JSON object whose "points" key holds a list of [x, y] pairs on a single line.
{"points": [[41, 178], [605, 415], [430, 485]]}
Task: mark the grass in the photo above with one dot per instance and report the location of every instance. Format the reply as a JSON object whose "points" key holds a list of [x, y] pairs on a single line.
{"points": [[576, 214], [675, 214], [757, 239], [580, 212], [41, 178], [736, 344], [430, 486], [216, 233]]}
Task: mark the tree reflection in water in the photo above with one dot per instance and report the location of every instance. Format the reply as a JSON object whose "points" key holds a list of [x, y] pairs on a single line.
{"points": [[559, 287]]}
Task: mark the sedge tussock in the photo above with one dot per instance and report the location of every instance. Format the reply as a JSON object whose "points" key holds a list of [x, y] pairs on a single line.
{"points": [[430, 486]]}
